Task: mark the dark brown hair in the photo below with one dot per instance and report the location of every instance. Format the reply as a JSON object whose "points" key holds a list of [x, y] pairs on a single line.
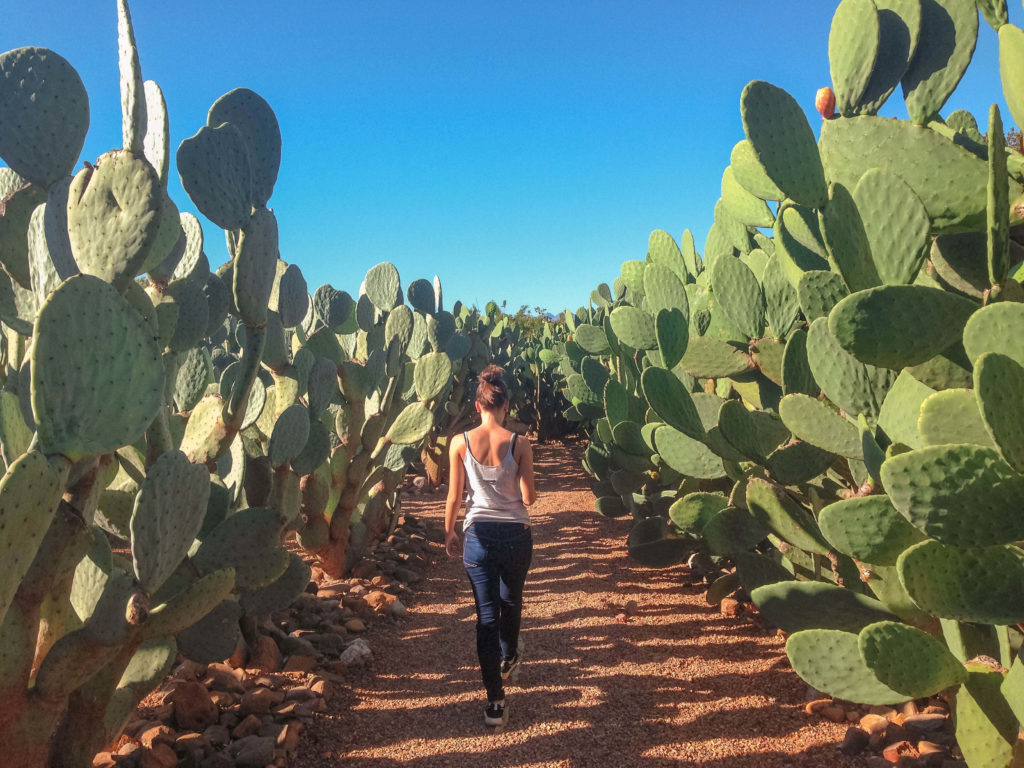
{"points": [[491, 391]]}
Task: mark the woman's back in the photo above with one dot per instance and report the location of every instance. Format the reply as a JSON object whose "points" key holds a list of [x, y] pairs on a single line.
{"points": [[492, 477]]}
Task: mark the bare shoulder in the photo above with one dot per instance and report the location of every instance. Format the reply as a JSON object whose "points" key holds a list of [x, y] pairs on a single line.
{"points": [[523, 446], [458, 444]]}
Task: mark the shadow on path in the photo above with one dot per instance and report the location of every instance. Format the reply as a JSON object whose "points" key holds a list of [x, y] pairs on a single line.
{"points": [[677, 685]]}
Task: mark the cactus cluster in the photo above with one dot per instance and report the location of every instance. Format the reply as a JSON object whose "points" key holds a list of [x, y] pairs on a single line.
{"points": [[828, 399]]}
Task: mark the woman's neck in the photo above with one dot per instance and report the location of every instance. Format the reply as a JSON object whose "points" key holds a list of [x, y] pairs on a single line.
{"points": [[490, 419]]}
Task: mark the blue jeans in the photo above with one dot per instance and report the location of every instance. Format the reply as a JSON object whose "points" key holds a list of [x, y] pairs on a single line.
{"points": [[497, 557]]}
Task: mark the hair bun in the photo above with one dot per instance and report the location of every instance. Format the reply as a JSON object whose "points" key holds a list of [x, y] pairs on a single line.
{"points": [[491, 391], [492, 374]]}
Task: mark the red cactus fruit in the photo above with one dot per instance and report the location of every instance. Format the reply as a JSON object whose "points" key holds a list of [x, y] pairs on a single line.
{"points": [[825, 102]]}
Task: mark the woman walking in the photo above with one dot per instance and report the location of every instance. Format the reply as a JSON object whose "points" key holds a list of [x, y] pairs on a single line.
{"points": [[496, 471]]}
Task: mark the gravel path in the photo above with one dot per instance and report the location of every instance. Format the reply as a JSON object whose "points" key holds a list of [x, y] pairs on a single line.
{"points": [[677, 685]]}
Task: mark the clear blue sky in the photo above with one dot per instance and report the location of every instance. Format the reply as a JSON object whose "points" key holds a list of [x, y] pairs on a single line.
{"points": [[521, 150]]}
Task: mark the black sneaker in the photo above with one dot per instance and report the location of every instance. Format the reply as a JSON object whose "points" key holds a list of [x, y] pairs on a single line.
{"points": [[496, 713], [508, 667]]}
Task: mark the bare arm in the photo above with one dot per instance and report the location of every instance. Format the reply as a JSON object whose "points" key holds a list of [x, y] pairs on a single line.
{"points": [[456, 486], [526, 486]]}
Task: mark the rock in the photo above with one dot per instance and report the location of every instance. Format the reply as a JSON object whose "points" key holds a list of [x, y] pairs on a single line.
{"points": [[334, 590], [299, 694], [257, 702], [398, 608], [217, 735], [194, 710], [355, 625], [265, 655], [254, 751], [104, 760], [288, 738], [876, 761], [815, 707], [923, 723], [931, 748], [331, 644], [835, 713], [364, 569], [221, 677], [160, 756], [241, 653], [730, 607], [291, 645], [854, 741], [291, 709], [872, 724], [322, 688], [358, 652], [896, 732], [249, 726], [621, 618], [158, 734], [300, 663], [189, 670], [379, 600], [223, 699], [217, 760], [191, 742], [901, 749]]}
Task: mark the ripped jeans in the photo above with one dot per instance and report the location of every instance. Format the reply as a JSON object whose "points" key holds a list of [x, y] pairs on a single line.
{"points": [[497, 557]]}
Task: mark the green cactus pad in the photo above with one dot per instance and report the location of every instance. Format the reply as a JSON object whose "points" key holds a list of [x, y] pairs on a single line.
{"points": [[995, 12], [819, 291], [592, 338], [815, 422], [693, 511], [216, 174], [213, 637], [118, 384], [796, 371], [156, 143], [909, 660], [782, 305], [198, 599], [664, 251], [757, 570], [830, 661], [998, 209], [732, 530], [1011, 65], [949, 180], [794, 606], [44, 114], [595, 375], [896, 224], [664, 290], [671, 401], [899, 26], [868, 529], [432, 374], [291, 431], [963, 495], [633, 327], [894, 326], [133, 101], [421, 295], [750, 174], [114, 212], [651, 543], [739, 294], [19, 199], [255, 121], [709, 358], [797, 462], [854, 387], [999, 328], [983, 585], [169, 511], [853, 44], [686, 455], [779, 513], [29, 493], [799, 244], [960, 262], [672, 333], [952, 416], [249, 542], [412, 425], [998, 385], [742, 205], [949, 32], [384, 286], [256, 267], [898, 417], [847, 240], [783, 142], [754, 434], [292, 299], [280, 593], [985, 726], [333, 308]]}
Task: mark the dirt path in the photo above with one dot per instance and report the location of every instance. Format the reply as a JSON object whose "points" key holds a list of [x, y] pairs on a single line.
{"points": [[678, 685]]}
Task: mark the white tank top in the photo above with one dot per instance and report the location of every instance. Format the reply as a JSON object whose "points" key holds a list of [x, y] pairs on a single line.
{"points": [[492, 492]]}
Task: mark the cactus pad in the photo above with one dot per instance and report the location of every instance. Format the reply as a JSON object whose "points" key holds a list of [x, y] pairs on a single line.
{"points": [[280, 593], [868, 529], [983, 585], [899, 26], [249, 542], [633, 327], [739, 294], [815, 422], [686, 455], [750, 174], [754, 434], [896, 224], [692, 512], [708, 358], [213, 637], [384, 286], [732, 530], [798, 605], [894, 326], [256, 122], [830, 661], [215, 172], [853, 45], [44, 114], [909, 660], [291, 431], [963, 495], [412, 425], [779, 513], [854, 387], [671, 401], [952, 416], [255, 267], [87, 327], [783, 142], [999, 386], [998, 327]]}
